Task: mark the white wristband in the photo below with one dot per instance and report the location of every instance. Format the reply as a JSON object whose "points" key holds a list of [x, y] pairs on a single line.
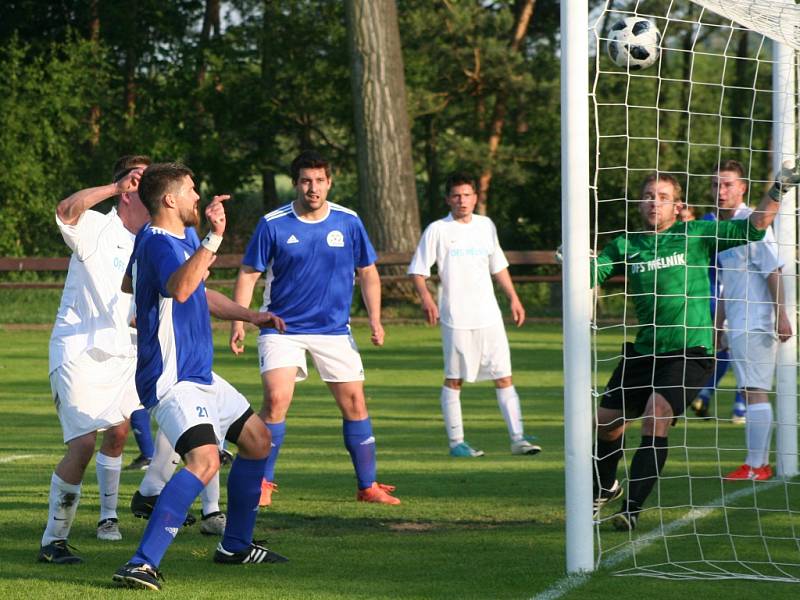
{"points": [[211, 242]]}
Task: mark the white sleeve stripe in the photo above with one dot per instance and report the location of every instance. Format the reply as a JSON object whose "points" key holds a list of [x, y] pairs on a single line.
{"points": [[343, 209]]}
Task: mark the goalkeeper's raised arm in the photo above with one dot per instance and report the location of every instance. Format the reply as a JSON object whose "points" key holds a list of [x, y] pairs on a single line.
{"points": [[787, 180]]}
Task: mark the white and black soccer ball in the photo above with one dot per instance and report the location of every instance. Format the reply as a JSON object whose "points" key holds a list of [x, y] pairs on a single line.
{"points": [[633, 42]]}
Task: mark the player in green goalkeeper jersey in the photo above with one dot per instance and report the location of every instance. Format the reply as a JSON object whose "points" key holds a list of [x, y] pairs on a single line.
{"points": [[661, 372]]}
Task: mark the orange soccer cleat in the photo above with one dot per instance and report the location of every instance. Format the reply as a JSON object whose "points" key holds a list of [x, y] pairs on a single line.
{"points": [[748, 473], [267, 487], [378, 492]]}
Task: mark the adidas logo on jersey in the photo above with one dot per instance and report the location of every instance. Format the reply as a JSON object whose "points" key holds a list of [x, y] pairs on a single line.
{"points": [[292, 240]]}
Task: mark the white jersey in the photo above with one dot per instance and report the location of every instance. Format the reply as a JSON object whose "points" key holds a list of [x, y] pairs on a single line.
{"points": [[466, 256], [743, 271], [94, 313]]}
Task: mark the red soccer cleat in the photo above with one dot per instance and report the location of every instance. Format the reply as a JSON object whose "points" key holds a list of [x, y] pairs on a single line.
{"points": [[748, 473], [267, 487], [379, 493]]}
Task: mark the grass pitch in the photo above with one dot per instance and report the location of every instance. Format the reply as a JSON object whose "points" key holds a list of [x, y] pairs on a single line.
{"points": [[491, 527]]}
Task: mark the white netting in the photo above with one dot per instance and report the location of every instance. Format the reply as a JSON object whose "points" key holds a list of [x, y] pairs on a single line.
{"points": [[707, 99]]}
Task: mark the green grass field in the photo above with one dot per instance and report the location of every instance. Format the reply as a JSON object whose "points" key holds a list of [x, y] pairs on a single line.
{"points": [[468, 528]]}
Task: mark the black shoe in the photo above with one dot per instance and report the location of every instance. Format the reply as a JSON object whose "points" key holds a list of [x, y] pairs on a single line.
{"points": [[58, 553], [140, 463], [625, 520], [140, 576], [225, 458], [605, 497], [256, 553], [700, 409], [142, 507]]}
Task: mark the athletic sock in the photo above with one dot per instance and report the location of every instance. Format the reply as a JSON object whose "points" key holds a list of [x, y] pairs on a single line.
{"points": [[508, 401], [108, 470], [646, 466], [210, 496], [140, 425], [758, 432], [360, 443], [451, 411], [168, 516], [165, 461], [609, 454], [244, 490], [278, 431], [64, 498]]}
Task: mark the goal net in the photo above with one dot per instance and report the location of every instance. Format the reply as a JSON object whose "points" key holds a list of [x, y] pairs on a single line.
{"points": [[722, 88]]}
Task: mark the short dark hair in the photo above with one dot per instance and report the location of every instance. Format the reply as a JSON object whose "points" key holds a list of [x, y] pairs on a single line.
{"points": [[730, 165], [460, 178], [309, 159], [157, 180], [677, 189], [126, 164]]}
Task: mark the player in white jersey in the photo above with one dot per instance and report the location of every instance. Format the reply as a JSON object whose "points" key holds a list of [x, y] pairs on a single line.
{"points": [[195, 408], [92, 353], [310, 250], [752, 303], [467, 254]]}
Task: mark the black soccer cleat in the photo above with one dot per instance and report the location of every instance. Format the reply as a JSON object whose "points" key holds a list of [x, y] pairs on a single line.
{"points": [[256, 553], [142, 507], [625, 520], [140, 463], [58, 553], [138, 576], [225, 457], [605, 497]]}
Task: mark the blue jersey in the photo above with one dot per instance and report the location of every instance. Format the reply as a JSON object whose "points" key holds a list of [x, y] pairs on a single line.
{"points": [[174, 338], [310, 267]]}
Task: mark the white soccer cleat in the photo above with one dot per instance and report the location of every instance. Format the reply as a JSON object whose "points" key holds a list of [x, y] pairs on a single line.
{"points": [[525, 447], [108, 530], [213, 523]]}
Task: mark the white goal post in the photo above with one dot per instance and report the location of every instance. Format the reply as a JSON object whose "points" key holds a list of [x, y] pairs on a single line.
{"points": [[775, 22]]}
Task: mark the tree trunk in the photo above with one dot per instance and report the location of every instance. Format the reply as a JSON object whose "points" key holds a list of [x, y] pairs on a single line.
{"points": [[94, 110], [524, 12], [387, 187]]}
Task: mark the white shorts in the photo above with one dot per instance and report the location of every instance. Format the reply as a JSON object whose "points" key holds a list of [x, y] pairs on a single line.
{"points": [[336, 357], [754, 354], [94, 392], [188, 404], [476, 354]]}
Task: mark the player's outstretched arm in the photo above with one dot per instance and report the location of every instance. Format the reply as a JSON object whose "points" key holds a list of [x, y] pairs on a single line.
{"points": [[370, 281], [787, 180], [242, 294], [775, 285], [70, 209], [222, 307], [429, 306], [503, 279]]}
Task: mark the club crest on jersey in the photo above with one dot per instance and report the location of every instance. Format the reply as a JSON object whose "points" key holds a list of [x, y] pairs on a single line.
{"points": [[662, 262], [336, 239]]}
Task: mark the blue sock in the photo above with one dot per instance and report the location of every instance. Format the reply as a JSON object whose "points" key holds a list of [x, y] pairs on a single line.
{"points": [[244, 490], [278, 431], [360, 443], [168, 516], [140, 425]]}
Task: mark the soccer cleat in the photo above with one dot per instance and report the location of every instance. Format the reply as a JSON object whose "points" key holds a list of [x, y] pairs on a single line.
{"points": [[212, 523], [139, 576], [256, 553], [605, 497], [525, 447], [267, 487], [464, 450], [700, 408], [108, 530], [379, 493], [739, 414], [140, 463], [58, 553], [225, 457], [748, 473], [142, 508], [625, 520]]}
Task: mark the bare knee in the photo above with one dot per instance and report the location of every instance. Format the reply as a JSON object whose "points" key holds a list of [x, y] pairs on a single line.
{"points": [[503, 382], [453, 384], [114, 440], [254, 440], [203, 462]]}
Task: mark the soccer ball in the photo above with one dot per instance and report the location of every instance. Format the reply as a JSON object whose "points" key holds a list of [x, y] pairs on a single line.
{"points": [[633, 42]]}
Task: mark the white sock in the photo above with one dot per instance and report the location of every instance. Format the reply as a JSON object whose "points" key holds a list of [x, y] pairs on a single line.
{"points": [[210, 496], [758, 432], [508, 401], [64, 499], [451, 411], [162, 467], [108, 470]]}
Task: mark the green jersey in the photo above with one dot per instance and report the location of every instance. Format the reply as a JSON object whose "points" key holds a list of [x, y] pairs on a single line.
{"points": [[667, 278]]}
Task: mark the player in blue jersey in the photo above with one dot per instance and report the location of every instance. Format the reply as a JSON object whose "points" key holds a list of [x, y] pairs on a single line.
{"points": [[195, 408], [310, 251]]}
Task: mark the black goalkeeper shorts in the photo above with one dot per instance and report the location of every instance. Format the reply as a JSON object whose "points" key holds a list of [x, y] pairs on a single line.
{"points": [[678, 377]]}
